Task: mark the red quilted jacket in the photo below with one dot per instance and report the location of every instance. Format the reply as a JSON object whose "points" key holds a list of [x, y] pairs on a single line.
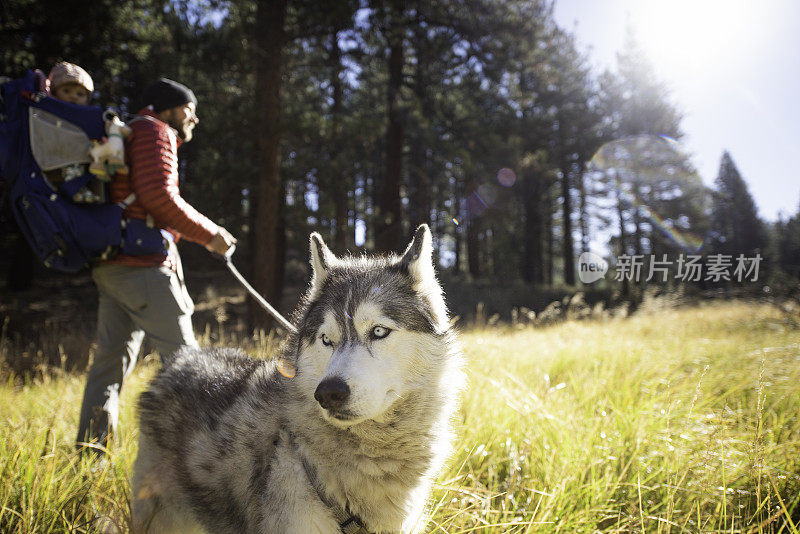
{"points": [[151, 152]]}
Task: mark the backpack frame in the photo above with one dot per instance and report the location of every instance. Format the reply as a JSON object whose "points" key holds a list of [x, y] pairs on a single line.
{"points": [[65, 235]]}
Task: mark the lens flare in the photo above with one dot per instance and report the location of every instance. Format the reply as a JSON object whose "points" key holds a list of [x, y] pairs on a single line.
{"points": [[487, 193], [286, 368], [655, 167], [476, 205], [685, 239], [455, 221], [506, 177]]}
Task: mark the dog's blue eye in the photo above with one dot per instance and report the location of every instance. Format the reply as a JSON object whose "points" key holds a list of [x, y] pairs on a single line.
{"points": [[326, 340], [380, 332]]}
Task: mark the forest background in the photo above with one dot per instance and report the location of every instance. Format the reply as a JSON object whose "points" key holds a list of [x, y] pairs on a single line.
{"points": [[364, 119]]}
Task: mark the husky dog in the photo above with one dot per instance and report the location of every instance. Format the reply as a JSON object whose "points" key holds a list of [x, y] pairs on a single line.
{"points": [[345, 435]]}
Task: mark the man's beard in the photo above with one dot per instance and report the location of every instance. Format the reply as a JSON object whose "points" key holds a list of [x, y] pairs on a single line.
{"points": [[185, 133], [184, 130]]}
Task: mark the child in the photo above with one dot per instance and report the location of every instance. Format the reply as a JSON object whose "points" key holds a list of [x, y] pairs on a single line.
{"points": [[70, 83]]}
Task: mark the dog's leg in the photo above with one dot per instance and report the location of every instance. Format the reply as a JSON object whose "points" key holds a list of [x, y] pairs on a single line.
{"points": [[153, 510]]}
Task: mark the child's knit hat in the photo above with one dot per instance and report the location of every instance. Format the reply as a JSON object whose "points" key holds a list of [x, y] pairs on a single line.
{"points": [[65, 72]]}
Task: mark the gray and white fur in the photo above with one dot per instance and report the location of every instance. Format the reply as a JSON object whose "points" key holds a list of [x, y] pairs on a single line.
{"points": [[230, 444]]}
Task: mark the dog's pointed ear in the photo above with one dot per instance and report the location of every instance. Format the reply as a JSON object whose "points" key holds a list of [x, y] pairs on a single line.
{"points": [[321, 259], [418, 260], [418, 257]]}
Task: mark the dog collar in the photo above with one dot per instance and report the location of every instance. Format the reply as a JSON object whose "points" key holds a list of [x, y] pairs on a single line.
{"points": [[349, 523]]}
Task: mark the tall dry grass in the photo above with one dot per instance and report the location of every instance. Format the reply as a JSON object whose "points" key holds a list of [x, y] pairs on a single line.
{"points": [[679, 420]]}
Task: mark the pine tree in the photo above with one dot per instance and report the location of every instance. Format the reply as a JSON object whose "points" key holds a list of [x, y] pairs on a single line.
{"points": [[735, 225], [634, 103], [788, 245]]}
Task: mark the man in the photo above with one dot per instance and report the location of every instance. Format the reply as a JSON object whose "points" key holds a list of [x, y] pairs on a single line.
{"points": [[146, 294]]}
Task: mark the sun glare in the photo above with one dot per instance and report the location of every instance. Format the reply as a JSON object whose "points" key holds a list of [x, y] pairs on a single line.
{"points": [[684, 37]]}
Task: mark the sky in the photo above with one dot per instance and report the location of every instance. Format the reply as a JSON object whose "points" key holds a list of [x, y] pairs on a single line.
{"points": [[733, 70]]}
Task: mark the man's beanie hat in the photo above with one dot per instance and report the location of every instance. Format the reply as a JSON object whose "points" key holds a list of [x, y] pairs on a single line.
{"points": [[166, 94], [64, 72]]}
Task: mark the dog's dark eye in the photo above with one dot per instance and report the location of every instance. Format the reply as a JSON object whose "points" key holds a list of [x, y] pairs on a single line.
{"points": [[326, 340], [379, 332]]}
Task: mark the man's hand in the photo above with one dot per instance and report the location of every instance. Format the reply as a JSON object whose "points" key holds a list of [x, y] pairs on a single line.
{"points": [[221, 242]]}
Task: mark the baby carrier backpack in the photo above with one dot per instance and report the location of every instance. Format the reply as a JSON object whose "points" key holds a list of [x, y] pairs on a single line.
{"points": [[39, 134]]}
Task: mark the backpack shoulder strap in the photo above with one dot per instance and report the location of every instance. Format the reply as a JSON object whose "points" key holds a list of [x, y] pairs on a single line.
{"points": [[127, 201], [130, 199], [141, 118]]}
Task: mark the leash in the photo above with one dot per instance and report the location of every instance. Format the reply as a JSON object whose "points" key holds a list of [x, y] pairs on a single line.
{"points": [[349, 523], [253, 293]]}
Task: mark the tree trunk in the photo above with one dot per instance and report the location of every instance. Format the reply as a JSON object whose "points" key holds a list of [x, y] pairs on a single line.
{"points": [[568, 247], [584, 215], [338, 184], [370, 216], [458, 228], [420, 207], [549, 209], [389, 211], [623, 240], [497, 257], [533, 260], [457, 250], [473, 246], [637, 221], [267, 240]]}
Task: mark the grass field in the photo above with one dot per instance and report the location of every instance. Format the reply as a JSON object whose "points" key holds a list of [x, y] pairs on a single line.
{"points": [[673, 421]]}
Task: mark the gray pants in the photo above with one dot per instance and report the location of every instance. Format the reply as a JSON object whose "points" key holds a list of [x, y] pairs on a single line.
{"points": [[134, 301]]}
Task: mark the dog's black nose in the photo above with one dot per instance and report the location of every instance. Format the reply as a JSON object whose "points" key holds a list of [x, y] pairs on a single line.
{"points": [[332, 393]]}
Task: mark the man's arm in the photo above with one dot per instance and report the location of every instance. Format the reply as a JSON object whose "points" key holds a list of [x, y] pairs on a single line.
{"points": [[154, 179]]}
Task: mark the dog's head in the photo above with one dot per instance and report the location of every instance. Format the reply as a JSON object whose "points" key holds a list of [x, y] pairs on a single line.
{"points": [[371, 330]]}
